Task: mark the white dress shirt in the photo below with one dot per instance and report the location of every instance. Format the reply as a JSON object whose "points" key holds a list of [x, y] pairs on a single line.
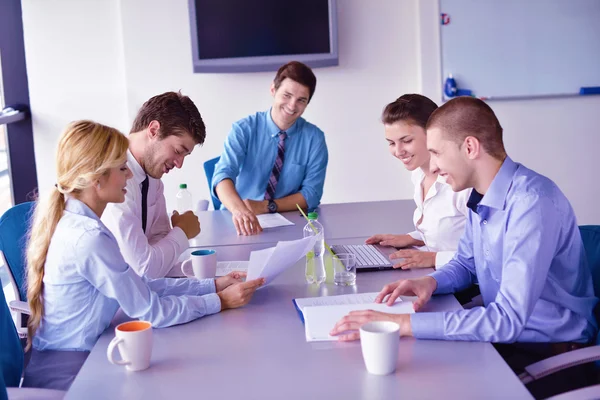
{"points": [[440, 218], [155, 252]]}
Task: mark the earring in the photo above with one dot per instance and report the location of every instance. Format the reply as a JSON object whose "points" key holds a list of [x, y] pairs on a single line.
{"points": [[98, 186]]}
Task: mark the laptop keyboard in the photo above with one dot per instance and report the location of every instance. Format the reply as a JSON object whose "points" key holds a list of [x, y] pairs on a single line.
{"points": [[366, 254]]}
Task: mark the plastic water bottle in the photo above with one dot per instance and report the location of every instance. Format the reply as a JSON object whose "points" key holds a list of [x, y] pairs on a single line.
{"points": [[184, 199], [315, 267]]}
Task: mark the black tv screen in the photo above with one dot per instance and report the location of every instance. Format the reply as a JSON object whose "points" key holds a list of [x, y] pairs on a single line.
{"points": [[253, 35]]}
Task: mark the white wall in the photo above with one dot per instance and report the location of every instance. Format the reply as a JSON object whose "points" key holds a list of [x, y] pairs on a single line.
{"points": [[75, 70], [559, 138], [377, 52], [102, 59]]}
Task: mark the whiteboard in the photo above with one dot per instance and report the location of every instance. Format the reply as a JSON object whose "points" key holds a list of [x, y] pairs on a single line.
{"points": [[521, 48]]}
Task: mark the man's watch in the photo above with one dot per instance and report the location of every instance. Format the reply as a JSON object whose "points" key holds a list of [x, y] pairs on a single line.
{"points": [[272, 206]]}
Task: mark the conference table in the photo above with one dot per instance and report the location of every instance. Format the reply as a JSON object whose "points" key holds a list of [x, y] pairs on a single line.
{"points": [[260, 351]]}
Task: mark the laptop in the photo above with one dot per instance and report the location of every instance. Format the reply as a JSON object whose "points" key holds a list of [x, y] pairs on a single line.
{"points": [[368, 257]]}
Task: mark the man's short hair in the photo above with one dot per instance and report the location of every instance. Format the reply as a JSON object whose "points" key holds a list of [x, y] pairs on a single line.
{"points": [[414, 109], [297, 72], [176, 113], [468, 116]]}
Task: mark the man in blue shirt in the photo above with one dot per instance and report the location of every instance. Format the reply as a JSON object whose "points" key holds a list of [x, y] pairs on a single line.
{"points": [[521, 244], [274, 159]]}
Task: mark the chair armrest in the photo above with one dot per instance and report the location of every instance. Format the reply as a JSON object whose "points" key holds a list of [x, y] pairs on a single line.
{"points": [[586, 393], [19, 306], [201, 205], [557, 363]]}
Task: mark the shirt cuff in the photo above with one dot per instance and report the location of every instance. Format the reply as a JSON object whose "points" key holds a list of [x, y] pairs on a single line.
{"points": [[427, 325], [180, 238], [213, 303], [444, 282], [416, 235], [205, 286], [312, 201], [442, 258], [218, 178]]}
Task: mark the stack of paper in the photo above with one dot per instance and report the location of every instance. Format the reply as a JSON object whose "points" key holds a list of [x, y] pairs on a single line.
{"points": [[273, 220], [320, 314], [271, 262]]}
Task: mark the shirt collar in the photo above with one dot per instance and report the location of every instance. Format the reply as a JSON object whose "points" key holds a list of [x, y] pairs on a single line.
{"points": [[274, 130], [420, 175], [495, 197], [80, 208], [139, 175]]}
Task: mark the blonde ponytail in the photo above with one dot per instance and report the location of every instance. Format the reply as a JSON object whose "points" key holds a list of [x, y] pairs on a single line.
{"points": [[45, 218], [86, 151]]}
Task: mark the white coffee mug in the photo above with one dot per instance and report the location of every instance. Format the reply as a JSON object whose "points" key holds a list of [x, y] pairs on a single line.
{"points": [[380, 341], [202, 264], [134, 341]]}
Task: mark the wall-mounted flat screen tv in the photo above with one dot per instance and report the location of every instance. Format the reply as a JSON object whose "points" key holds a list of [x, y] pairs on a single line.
{"points": [[262, 35]]}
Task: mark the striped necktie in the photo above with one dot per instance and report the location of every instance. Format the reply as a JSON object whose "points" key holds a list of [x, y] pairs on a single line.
{"points": [[274, 178]]}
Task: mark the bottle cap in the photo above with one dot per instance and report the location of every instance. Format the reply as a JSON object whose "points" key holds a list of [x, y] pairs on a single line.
{"points": [[183, 186], [313, 215]]}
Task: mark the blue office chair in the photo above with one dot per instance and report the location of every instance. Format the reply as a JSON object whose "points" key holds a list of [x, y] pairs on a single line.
{"points": [[11, 352], [14, 225], [11, 362], [3, 392], [590, 234], [209, 170]]}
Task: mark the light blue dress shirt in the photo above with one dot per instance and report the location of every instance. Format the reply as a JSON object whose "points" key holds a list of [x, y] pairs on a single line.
{"points": [[250, 153], [523, 246], [86, 280]]}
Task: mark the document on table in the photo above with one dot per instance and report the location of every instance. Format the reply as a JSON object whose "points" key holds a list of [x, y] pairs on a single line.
{"points": [[271, 262], [320, 314], [273, 220], [225, 267]]}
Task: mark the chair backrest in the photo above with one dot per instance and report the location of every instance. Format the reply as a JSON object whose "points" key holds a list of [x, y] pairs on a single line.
{"points": [[209, 170], [3, 392], [11, 352], [590, 235], [14, 225]]}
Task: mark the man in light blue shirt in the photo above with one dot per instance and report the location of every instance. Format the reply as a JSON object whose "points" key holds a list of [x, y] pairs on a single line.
{"points": [[274, 159], [521, 244]]}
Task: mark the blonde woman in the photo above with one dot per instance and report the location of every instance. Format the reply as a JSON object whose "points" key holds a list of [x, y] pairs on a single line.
{"points": [[77, 278]]}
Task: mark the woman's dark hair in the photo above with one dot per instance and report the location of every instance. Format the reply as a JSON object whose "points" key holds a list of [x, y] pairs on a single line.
{"points": [[414, 109]]}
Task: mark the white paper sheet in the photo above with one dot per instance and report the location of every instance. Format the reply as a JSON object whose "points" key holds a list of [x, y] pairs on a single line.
{"points": [[273, 220], [322, 313], [225, 267], [271, 262]]}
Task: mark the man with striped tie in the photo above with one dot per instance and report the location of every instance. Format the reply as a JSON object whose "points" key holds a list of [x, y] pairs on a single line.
{"points": [[273, 159]]}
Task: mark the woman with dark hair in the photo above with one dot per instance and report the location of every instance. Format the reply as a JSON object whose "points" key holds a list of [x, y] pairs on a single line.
{"points": [[441, 213]]}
